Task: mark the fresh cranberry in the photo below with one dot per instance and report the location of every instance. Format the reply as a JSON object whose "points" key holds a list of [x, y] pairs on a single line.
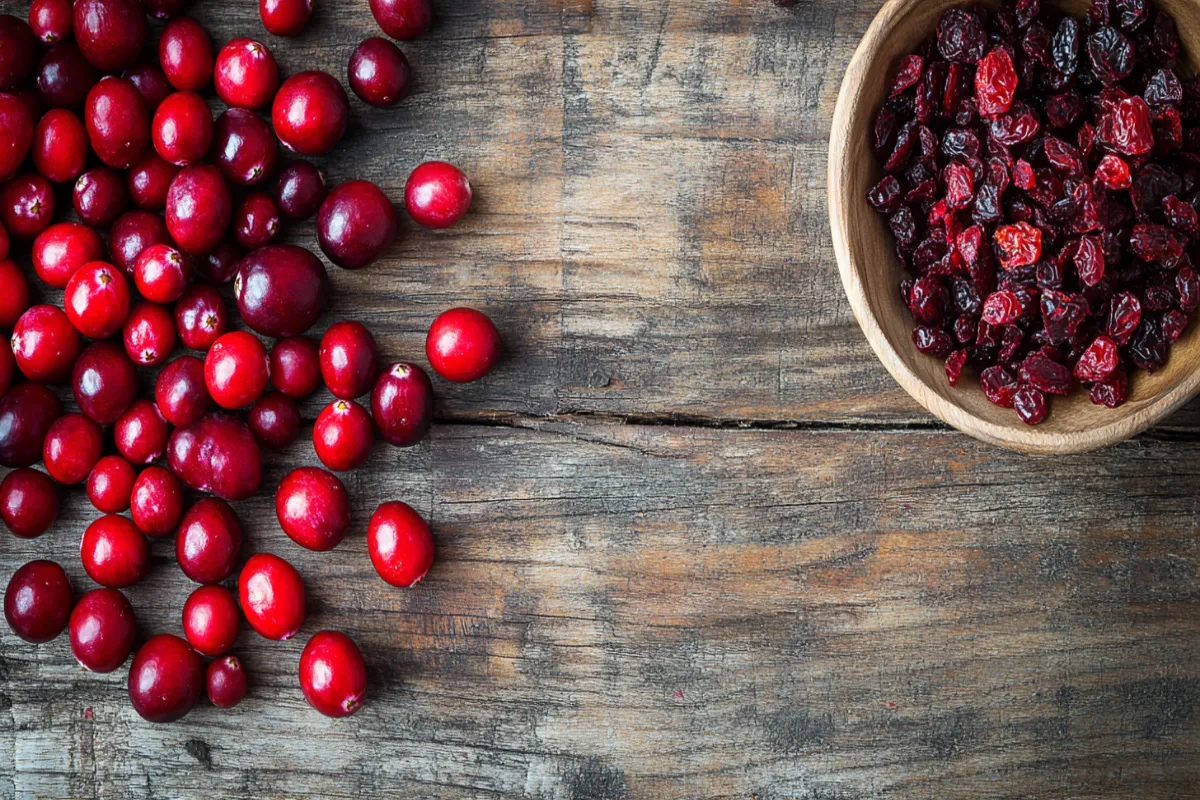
{"points": [[199, 208], [402, 405], [182, 129], [310, 113], [14, 301], [141, 433], [133, 234], [272, 596], [149, 334], [281, 291], [165, 9], [60, 146], [186, 54], [180, 392], [156, 504], [114, 552], [64, 77], [437, 194], [18, 49], [37, 602], [50, 20], [100, 197], [333, 675], [236, 370], [400, 544], [27, 411], [221, 265], [149, 180], [16, 134], [356, 225], [285, 17], [295, 367], [275, 420], [209, 542], [211, 620], [118, 122], [343, 435], [244, 147], [246, 74], [463, 345], [313, 508], [151, 82], [103, 628], [110, 484], [403, 19], [162, 273], [349, 360], [104, 381], [299, 190], [28, 502], [60, 250], [97, 300], [225, 682], [256, 222], [111, 33], [379, 73], [166, 679], [27, 206], [45, 345], [200, 317], [218, 455], [72, 447]]}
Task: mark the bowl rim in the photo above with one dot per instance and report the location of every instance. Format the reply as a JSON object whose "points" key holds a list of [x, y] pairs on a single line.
{"points": [[1030, 439]]}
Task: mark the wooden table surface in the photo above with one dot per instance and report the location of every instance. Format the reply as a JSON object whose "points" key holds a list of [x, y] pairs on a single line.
{"points": [[693, 540]]}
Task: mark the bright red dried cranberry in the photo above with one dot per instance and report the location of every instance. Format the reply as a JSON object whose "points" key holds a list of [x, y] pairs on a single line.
{"points": [[1099, 361], [999, 386], [1030, 405], [1018, 245], [28, 502], [995, 82], [1002, 308], [1112, 392]]}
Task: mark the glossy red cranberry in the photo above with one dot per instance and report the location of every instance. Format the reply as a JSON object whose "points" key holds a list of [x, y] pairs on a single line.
{"points": [[349, 360], [310, 113], [246, 74], [180, 392], [110, 484], [437, 194], [141, 433], [343, 435], [111, 33], [60, 146], [285, 17], [236, 370], [356, 225], [165, 9], [45, 345], [333, 675], [225, 682], [50, 20], [182, 129], [211, 620], [60, 250], [37, 602], [166, 679], [313, 508], [149, 180], [118, 122], [26, 206], [272, 596], [156, 504], [186, 54], [14, 301], [244, 147], [463, 345], [100, 197], [114, 552], [256, 222], [403, 19], [162, 273], [200, 317], [299, 190], [73, 446], [149, 334], [295, 367], [97, 300], [199, 208], [275, 420], [16, 134], [218, 455], [26, 412], [132, 234], [282, 290], [379, 73], [221, 265], [400, 544], [18, 50], [104, 381], [103, 628], [152, 82], [64, 77], [209, 543], [28, 502], [402, 405]]}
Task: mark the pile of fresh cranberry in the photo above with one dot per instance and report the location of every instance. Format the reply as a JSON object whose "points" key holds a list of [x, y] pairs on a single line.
{"points": [[1042, 174], [208, 202]]}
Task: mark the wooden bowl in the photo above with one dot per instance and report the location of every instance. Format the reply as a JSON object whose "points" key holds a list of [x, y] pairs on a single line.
{"points": [[871, 273]]}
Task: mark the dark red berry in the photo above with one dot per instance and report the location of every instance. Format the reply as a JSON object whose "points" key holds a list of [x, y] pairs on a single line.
{"points": [[349, 360], [333, 675], [149, 181], [285, 17], [64, 77], [182, 129], [296, 367], [97, 300], [111, 33], [114, 552], [103, 629], [45, 345], [151, 82], [281, 290], [356, 224], [437, 194], [26, 206], [104, 381], [218, 455], [100, 197], [463, 345], [256, 221], [28, 502], [16, 134], [299, 190], [60, 146], [313, 508], [37, 602], [209, 543], [403, 19], [118, 122], [73, 446], [110, 484], [400, 544], [244, 147], [186, 54], [166, 679], [402, 405], [225, 682], [275, 420], [133, 234], [141, 433], [379, 73], [310, 113], [343, 435], [221, 265], [149, 334], [211, 620], [200, 317], [272, 596], [199, 209], [27, 411], [246, 74], [180, 393]]}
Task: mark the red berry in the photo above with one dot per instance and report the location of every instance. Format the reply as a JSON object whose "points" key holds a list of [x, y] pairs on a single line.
{"points": [[200, 317], [37, 602], [166, 679], [217, 455], [400, 544], [133, 234], [114, 552], [73, 446], [149, 180], [437, 194], [209, 543], [333, 675], [180, 392], [402, 405], [149, 334], [295, 367], [272, 596], [182, 129], [26, 206], [110, 484], [186, 54], [310, 113], [349, 360], [379, 73], [27, 411], [221, 265], [16, 134], [111, 33], [51, 20], [246, 74], [103, 629], [60, 146], [275, 420], [463, 345], [18, 49], [64, 77], [199, 208], [118, 122], [45, 345], [28, 502], [226, 682], [151, 83], [313, 508], [14, 301], [281, 290], [356, 224], [244, 147], [60, 250], [285, 17], [343, 435], [104, 382], [157, 502], [162, 273], [100, 197], [236, 370], [256, 222], [97, 300], [403, 19], [211, 620], [299, 190], [141, 433]]}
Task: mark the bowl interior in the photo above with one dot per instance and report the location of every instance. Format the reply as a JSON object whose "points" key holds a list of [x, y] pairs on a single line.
{"points": [[872, 273]]}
